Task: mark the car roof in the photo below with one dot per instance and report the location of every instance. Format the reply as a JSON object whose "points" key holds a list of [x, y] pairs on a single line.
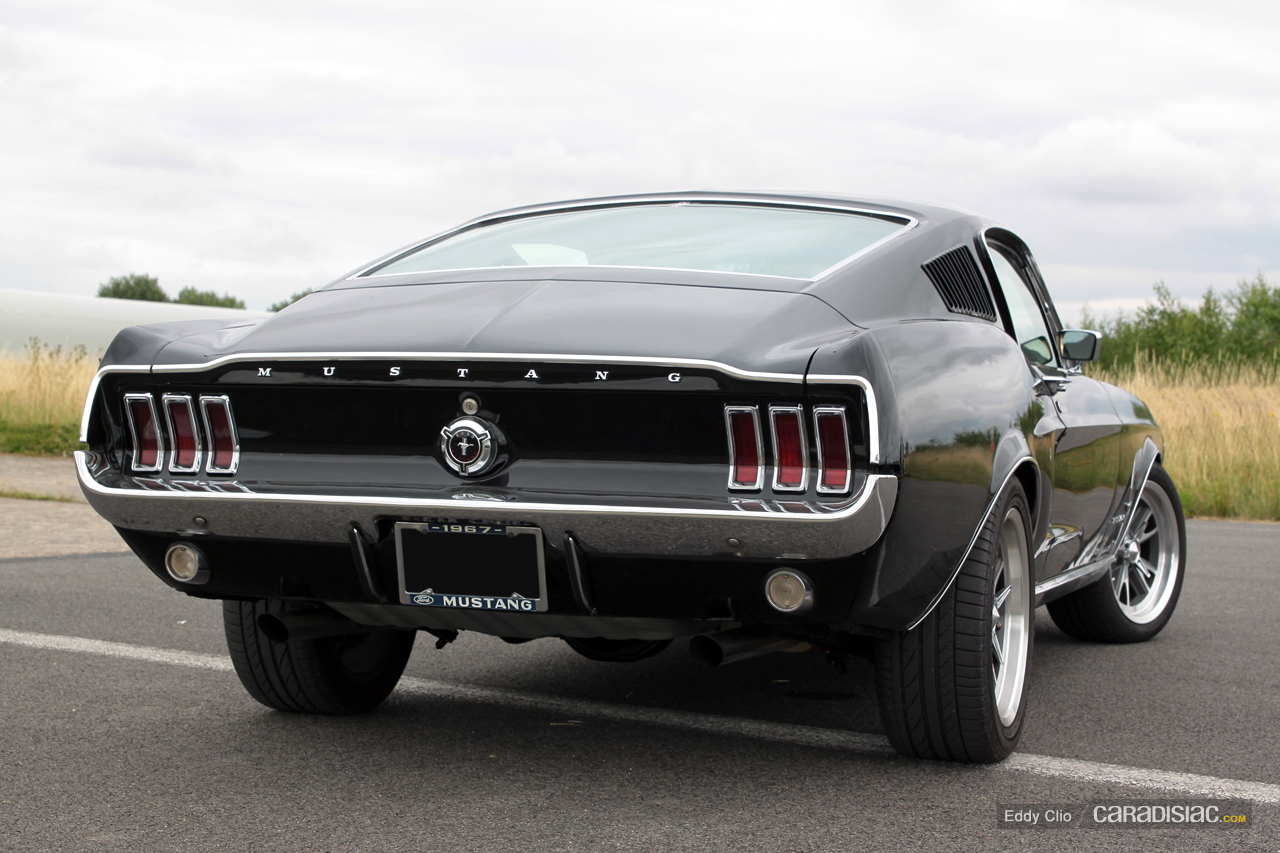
{"points": [[918, 211]]}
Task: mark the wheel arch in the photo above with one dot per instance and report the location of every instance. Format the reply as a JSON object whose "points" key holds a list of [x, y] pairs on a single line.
{"points": [[1025, 469]]}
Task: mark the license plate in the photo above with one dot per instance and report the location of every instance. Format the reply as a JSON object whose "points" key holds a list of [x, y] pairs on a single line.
{"points": [[471, 566]]}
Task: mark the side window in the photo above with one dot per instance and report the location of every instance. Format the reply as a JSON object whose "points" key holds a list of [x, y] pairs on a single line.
{"points": [[1029, 327]]}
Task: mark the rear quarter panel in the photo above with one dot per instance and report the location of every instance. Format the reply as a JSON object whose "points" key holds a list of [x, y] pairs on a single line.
{"points": [[957, 413]]}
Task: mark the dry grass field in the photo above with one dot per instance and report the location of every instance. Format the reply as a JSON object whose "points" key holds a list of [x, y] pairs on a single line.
{"points": [[41, 396], [1221, 422], [1221, 425]]}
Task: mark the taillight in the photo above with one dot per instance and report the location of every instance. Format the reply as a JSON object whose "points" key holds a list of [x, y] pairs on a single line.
{"points": [[746, 467], [789, 451], [148, 446], [224, 446], [834, 469], [181, 417]]}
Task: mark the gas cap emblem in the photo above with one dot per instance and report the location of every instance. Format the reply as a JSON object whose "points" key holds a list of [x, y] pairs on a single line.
{"points": [[468, 446]]}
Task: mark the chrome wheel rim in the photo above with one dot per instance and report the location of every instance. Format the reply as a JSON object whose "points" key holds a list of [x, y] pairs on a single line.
{"points": [[1143, 578], [1010, 617]]}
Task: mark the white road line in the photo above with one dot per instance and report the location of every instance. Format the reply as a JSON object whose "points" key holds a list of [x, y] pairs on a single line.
{"points": [[1186, 784], [57, 643]]}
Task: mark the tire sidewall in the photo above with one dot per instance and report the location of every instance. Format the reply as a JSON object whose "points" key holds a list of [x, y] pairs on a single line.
{"points": [[1015, 499]]}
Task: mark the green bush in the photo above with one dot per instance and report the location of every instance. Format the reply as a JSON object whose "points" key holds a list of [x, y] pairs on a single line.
{"points": [[147, 288], [1240, 327], [191, 296], [134, 286]]}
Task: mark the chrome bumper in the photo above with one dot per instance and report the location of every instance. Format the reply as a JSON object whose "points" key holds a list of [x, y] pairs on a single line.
{"points": [[779, 530]]}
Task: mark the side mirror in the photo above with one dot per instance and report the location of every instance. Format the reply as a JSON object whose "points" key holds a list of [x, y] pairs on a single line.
{"points": [[1080, 344]]}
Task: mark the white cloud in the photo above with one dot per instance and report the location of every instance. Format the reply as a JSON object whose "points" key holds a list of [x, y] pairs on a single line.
{"points": [[262, 148]]}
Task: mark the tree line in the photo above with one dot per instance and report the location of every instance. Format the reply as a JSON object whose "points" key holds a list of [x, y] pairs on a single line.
{"points": [[147, 288], [1241, 326]]}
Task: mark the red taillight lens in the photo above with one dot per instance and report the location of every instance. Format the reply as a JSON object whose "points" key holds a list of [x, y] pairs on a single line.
{"points": [[148, 448], [789, 448], [224, 446], [745, 464], [834, 472], [181, 416]]}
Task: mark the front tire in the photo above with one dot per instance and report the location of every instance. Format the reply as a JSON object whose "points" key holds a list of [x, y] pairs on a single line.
{"points": [[1134, 600], [954, 687], [348, 674]]}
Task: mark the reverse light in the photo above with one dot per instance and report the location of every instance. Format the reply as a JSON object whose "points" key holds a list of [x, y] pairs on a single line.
{"points": [[834, 469], [144, 428], [746, 462], [789, 451], [186, 563], [789, 591]]}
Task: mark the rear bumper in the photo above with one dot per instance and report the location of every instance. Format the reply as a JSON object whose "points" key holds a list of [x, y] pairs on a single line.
{"points": [[769, 529]]}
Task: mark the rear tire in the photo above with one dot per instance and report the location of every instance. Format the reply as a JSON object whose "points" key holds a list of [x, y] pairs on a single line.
{"points": [[1134, 600], [331, 675], [954, 687]]}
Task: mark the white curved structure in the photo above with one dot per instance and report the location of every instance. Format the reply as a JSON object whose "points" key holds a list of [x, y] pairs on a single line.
{"points": [[61, 319]]}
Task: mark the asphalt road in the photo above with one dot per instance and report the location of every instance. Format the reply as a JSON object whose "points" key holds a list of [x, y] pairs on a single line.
{"points": [[108, 744]]}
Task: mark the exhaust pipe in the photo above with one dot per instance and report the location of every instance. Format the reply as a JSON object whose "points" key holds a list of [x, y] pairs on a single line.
{"points": [[290, 625], [742, 643]]}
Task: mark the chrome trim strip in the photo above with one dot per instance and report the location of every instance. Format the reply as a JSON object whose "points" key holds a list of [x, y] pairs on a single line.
{"points": [[224, 401], [849, 527], [93, 391], [168, 401], [798, 411], [873, 413], [1051, 542], [865, 250], [908, 222], [133, 431], [754, 412], [526, 268], [1086, 574], [555, 358], [973, 540], [838, 411]]}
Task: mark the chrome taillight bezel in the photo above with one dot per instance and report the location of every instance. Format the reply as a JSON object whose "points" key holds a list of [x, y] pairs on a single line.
{"points": [[222, 401], [798, 413], [741, 485], [820, 412], [129, 400], [169, 402]]}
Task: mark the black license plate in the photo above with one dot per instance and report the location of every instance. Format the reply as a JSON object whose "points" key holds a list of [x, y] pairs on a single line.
{"points": [[471, 566]]}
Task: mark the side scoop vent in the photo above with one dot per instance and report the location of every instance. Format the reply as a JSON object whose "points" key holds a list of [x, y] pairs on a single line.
{"points": [[959, 283]]}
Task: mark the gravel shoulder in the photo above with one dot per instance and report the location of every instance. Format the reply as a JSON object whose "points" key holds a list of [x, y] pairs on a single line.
{"points": [[51, 476], [53, 528]]}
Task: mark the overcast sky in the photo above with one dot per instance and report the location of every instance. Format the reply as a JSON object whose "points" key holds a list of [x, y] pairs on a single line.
{"points": [[259, 148]]}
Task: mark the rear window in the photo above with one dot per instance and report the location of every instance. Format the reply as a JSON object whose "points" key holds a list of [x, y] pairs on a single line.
{"points": [[773, 241]]}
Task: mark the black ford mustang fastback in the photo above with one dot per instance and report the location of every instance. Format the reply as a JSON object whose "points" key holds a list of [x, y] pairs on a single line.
{"points": [[759, 421]]}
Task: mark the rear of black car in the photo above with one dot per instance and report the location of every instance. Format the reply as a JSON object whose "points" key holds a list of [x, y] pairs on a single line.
{"points": [[655, 489]]}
